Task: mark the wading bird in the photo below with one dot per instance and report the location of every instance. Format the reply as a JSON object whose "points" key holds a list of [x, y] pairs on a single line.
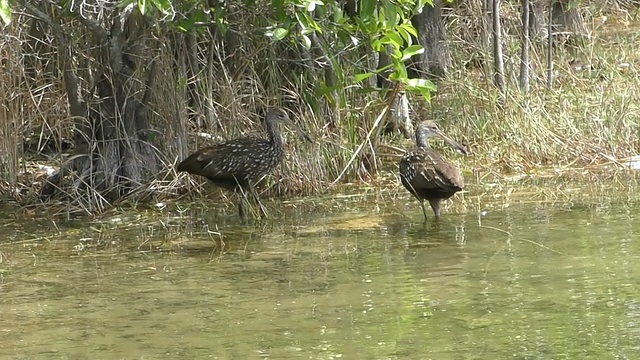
{"points": [[240, 163], [425, 174]]}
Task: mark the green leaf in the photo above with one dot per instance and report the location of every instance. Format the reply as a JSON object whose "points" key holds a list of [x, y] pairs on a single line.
{"points": [[367, 7], [383, 68], [382, 18], [306, 21], [420, 4], [408, 27], [360, 77], [399, 71], [302, 21], [280, 10], [163, 5], [222, 25], [377, 45], [280, 33], [186, 25], [412, 50], [396, 54], [426, 94], [142, 6], [419, 84], [200, 16], [288, 22], [405, 35], [338, 14], [5, 11], [371, 27], [311, 5], [391, 13], [306, 42], [396, 39]]}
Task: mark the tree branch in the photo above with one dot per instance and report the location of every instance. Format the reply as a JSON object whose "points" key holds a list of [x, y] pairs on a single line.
{"points": [[92, 25]]}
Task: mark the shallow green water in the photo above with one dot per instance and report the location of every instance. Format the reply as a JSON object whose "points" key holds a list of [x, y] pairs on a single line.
{"points": [[526, 280]]}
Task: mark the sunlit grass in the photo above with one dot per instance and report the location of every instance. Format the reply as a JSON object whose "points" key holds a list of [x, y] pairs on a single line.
{"points": [[588, 117], [587, 122]]}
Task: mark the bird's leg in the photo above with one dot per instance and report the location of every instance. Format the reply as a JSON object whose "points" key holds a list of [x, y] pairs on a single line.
{"points": [[262, 209], [242, 205], [241, 212], [435, 205], [424, 211]]}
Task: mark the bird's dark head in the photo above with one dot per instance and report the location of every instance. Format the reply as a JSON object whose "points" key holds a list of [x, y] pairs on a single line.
{"points": [[427, 129], [279, 115]]}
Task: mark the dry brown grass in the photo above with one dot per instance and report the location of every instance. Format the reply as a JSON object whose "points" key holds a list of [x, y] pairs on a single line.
{"points": [[588, 120], [590, 116]]}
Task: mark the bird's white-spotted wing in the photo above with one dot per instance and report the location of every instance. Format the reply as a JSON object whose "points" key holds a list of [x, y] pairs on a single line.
{"points": [[426, 169]]}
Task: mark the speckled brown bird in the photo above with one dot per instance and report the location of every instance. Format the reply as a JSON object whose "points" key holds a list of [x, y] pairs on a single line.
{"points": [[239, 164], [425, 174]]}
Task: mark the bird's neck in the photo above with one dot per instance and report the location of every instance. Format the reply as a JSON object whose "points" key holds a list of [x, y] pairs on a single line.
{"points": [[274, 135], [422, 141]]}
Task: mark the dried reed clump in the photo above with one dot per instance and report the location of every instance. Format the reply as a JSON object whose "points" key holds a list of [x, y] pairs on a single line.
{"points": [[589, 117]]}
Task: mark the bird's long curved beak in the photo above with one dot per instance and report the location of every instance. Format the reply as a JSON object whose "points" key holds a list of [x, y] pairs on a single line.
{"points": [[452, 142], [299, 130]]}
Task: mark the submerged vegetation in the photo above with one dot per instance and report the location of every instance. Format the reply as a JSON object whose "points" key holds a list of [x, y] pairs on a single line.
{"points": [[193, 83]]}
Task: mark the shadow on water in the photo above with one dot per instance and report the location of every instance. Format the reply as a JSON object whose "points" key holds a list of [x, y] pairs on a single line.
{"points": [[495, 277]]}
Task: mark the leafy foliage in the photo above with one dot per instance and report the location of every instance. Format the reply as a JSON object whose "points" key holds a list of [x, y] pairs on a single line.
{"points": [[5, 11], [384, 27]]}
